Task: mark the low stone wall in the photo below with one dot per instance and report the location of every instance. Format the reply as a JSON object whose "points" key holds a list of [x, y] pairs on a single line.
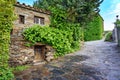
{"points": [[19, 53], [49, 53], [22, 55]]}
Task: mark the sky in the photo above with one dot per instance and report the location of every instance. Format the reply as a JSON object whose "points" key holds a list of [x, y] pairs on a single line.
{"points": [[108, 10]]}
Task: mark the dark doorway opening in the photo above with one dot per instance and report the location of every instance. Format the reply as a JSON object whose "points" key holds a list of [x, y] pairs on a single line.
{"points": [[39, 52]]}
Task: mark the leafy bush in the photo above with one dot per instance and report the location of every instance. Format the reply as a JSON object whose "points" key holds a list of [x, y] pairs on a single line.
{"points": [[5, 73], [94, 29], [108, 36], [105, 32], [6, 18], [61, 40]]}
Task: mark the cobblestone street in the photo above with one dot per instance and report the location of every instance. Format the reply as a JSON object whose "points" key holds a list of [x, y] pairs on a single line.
{"points": [[97, 60]]}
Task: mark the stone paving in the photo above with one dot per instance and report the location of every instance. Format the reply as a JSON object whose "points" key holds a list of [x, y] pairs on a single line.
{"points": [[97, 60]]}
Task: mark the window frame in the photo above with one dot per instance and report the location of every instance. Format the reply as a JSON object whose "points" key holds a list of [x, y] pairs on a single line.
{"points": [[21, 19], [39, 20]]}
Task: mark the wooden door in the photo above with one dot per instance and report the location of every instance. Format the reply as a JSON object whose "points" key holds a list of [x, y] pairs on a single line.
{"points": [[38, 51]]}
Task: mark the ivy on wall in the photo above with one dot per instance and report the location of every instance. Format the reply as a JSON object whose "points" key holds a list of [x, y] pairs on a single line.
{"points": [[94, 29], [6, 18], [62, 41]]}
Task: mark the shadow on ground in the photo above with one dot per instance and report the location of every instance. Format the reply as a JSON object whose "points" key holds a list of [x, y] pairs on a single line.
{"points": [[64, 68]]}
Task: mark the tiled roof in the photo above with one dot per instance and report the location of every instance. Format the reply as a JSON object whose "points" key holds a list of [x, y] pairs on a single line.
{"points": [[31, 8]]}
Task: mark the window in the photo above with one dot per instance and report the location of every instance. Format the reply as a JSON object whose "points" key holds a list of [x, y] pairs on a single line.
{"points": [[39, 20], [21, 19]]}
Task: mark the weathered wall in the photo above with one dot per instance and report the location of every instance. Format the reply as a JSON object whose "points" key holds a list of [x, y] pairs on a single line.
{"points": [[20, 54], [29, 19]]}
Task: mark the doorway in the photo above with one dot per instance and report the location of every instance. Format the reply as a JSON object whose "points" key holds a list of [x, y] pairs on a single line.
{"points": [[39, 52]]}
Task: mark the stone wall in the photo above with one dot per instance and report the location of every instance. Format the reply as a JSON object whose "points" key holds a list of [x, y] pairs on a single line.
{"points": [[114, 35], [29, 14], [118, 35], [20, 54]]}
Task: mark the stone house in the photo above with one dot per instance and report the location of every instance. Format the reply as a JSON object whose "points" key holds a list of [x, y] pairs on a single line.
{"points": [[26, 17]]}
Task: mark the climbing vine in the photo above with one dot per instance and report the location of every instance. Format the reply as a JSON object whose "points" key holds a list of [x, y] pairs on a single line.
{"points": [[6, 18], [62, 41]]}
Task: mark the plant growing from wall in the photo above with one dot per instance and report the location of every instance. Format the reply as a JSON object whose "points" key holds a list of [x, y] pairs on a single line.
{"points": [[6, 18], [117, 23], [62, 41]]}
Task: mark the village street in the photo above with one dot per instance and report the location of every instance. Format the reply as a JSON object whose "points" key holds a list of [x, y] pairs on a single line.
{"points": [[97, 60]]}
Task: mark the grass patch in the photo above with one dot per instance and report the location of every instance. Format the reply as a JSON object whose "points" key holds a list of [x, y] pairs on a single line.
{"points": [[19, 68]]}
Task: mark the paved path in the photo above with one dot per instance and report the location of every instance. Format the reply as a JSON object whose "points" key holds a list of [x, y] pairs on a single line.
{"points": [[98, 60]]}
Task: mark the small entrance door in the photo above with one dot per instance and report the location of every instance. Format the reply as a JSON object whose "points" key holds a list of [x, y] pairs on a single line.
{"points": [[39, 53]]}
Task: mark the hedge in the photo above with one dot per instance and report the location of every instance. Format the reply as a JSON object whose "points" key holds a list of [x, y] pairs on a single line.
{"points": [[6, 18], [94, 29]]}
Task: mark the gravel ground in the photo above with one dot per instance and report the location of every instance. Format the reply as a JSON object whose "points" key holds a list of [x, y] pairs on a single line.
{"points": [[104, 56], [97, 60]]}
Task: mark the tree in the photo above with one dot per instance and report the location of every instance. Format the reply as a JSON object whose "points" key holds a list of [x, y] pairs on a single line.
{"points": [[78, 11]]}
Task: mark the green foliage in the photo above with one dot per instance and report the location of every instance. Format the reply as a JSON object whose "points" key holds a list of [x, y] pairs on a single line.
{"points": [[94, 29], [77, 33], [64, 17], [58, 18], [70, 15], [6, 18], [66, 14], [29, 44], [78, 11], [117, 23], [59, 21], [61, 40], [5, 73], [105, 32], [108, 36]]}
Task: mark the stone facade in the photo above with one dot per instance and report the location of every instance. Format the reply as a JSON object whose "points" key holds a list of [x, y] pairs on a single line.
{"points": [[20, 54], [29, 13]]}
